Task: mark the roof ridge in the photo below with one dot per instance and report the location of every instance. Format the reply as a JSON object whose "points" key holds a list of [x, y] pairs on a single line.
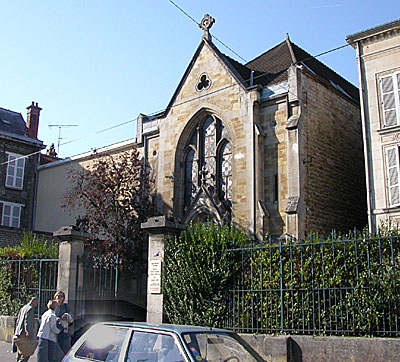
{"points": [[289, 44], [311, 57], [9, 110], [262, 54]]}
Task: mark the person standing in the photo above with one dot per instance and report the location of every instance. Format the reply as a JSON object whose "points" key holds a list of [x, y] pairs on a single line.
{"points": [[65, 319], [25, 334], [48, 349]]}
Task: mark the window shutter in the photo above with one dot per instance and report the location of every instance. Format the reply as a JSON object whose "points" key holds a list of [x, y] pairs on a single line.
{"points": [[389, 100], [15, 171], [398, 95], [392, 164]]}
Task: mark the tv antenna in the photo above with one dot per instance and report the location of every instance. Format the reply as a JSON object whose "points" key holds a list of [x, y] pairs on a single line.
{"points": [[59, 132]]}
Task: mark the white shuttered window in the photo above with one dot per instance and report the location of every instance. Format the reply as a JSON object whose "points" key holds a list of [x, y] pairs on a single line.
{"points": [[393, 175], [11, 214], [15, 171], [390, 91]]}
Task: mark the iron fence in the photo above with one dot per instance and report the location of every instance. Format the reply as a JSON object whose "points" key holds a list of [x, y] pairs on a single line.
{"points": [[32, 277], [338, 286], [96, 284]]}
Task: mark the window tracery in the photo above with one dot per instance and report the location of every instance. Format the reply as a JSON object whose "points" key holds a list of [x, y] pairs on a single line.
{"points": [[208, 161]]}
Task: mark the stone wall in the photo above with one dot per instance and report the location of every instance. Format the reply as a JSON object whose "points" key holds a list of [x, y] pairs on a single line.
{"points": [[26, 195], [226, 100], [333, 164], [332, 349], [7, 325], [11, 236], [273, 116]]}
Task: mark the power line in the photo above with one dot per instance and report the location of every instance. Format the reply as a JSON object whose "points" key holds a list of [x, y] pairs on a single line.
{"points": [[192, 99], [220, 41]]}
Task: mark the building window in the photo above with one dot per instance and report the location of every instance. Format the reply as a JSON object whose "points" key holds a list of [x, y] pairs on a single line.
{"points": [[208, 159], [11, 214], [390, 92], [15, 171], [393, 175]]}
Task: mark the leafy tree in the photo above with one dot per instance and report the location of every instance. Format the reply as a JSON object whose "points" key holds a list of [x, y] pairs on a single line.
{"points": [[115, 196]]}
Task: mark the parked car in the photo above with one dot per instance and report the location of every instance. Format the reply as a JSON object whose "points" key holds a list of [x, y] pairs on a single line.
{"points": [[139, 342]]}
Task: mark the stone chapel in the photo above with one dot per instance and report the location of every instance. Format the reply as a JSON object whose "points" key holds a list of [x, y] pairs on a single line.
{"points": [[274, 145]]}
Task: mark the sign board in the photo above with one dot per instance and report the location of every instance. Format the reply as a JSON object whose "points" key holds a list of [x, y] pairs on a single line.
{"points": [[154, 279]]}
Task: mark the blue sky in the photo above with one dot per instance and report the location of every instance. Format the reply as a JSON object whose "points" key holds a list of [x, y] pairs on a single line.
{"points": [[99, 63]]}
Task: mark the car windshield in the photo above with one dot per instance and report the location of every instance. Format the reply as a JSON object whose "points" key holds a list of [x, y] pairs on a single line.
{"points": [[219, 347]]}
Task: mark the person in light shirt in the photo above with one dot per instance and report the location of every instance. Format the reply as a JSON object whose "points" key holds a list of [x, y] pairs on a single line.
{"points": [[48, 349]]}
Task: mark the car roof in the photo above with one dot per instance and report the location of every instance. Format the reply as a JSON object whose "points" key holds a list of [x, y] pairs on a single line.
{"points": [[165, 327]]}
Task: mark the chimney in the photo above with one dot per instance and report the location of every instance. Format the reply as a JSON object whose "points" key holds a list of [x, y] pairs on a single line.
{"points": [[32, 122]]}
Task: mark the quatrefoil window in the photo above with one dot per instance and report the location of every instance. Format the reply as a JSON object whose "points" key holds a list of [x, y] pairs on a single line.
{"points": [[203, 83]]}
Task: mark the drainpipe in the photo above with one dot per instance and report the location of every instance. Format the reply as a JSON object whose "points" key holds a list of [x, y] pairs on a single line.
{"points": [[35, 192], [366, 140]]}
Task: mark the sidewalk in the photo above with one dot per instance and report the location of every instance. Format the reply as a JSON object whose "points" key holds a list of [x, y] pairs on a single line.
{"points": [[6, 354]]}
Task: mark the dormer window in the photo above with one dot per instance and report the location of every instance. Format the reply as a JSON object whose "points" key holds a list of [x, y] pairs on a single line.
{"points": [[15, 171]]}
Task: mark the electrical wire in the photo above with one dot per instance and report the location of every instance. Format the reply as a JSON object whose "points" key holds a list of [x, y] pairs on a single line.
{"points": [[265, 74]]}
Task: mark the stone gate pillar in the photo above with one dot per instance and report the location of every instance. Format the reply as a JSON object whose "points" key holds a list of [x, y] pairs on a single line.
{"points": [[159, 229], [71, 246]]}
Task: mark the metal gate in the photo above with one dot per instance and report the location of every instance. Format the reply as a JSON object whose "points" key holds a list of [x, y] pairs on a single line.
{"points": [[96, 285], [31, 277]]}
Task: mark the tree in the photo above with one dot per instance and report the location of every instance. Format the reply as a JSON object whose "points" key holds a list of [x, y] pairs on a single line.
{"points": [[115, 196]]}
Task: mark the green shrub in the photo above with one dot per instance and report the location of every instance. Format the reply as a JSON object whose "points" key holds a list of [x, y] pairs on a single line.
{"points": [[13, 298], [199, 272], [32, 246]]}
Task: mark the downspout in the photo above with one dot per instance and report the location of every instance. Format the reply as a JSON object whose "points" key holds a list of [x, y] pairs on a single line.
{"points": [[254, 180], [35, 193], [256, 133], [365, 139]]}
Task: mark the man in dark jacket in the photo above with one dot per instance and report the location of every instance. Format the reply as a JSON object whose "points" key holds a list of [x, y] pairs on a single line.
{"points": [[25, 331]]}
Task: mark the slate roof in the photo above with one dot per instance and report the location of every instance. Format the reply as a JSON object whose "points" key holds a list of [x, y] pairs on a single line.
{"points": [[12, 122], [271, 67]]}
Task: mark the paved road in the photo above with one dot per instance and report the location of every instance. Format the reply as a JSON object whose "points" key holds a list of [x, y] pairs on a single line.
{"points": [[6, 354]]}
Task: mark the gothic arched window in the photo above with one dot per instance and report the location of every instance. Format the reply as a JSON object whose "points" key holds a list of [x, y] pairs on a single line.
{"points": [[208, 159]]}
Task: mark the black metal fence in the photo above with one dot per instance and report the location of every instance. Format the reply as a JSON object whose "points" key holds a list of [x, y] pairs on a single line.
{"points": [[338, 286], [30, 277], [96, 284]]}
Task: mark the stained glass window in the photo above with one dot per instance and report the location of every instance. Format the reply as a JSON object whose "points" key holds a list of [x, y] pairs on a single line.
{"points": [[201, 160], [190, 176], [225, 183]]}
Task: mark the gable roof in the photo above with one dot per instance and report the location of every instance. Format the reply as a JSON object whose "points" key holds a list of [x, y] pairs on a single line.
{"points": [[271, 67], [12, 122]]}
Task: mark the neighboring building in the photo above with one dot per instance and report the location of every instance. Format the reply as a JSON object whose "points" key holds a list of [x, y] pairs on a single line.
{"points": [[54, 181], [378, 56], [274, 146], [19, 159]]}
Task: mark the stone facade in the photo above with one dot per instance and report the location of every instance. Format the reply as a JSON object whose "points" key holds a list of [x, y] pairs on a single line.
{"points": [[300, 146], [25, 148], [12, 237], [275, 152], [378, 56]]}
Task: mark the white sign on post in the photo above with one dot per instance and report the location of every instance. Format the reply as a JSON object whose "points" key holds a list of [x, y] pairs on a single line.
{"points": [[154, 282]]}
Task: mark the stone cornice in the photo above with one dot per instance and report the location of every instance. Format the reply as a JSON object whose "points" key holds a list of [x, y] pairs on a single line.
{"points": [[376, 33]]}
